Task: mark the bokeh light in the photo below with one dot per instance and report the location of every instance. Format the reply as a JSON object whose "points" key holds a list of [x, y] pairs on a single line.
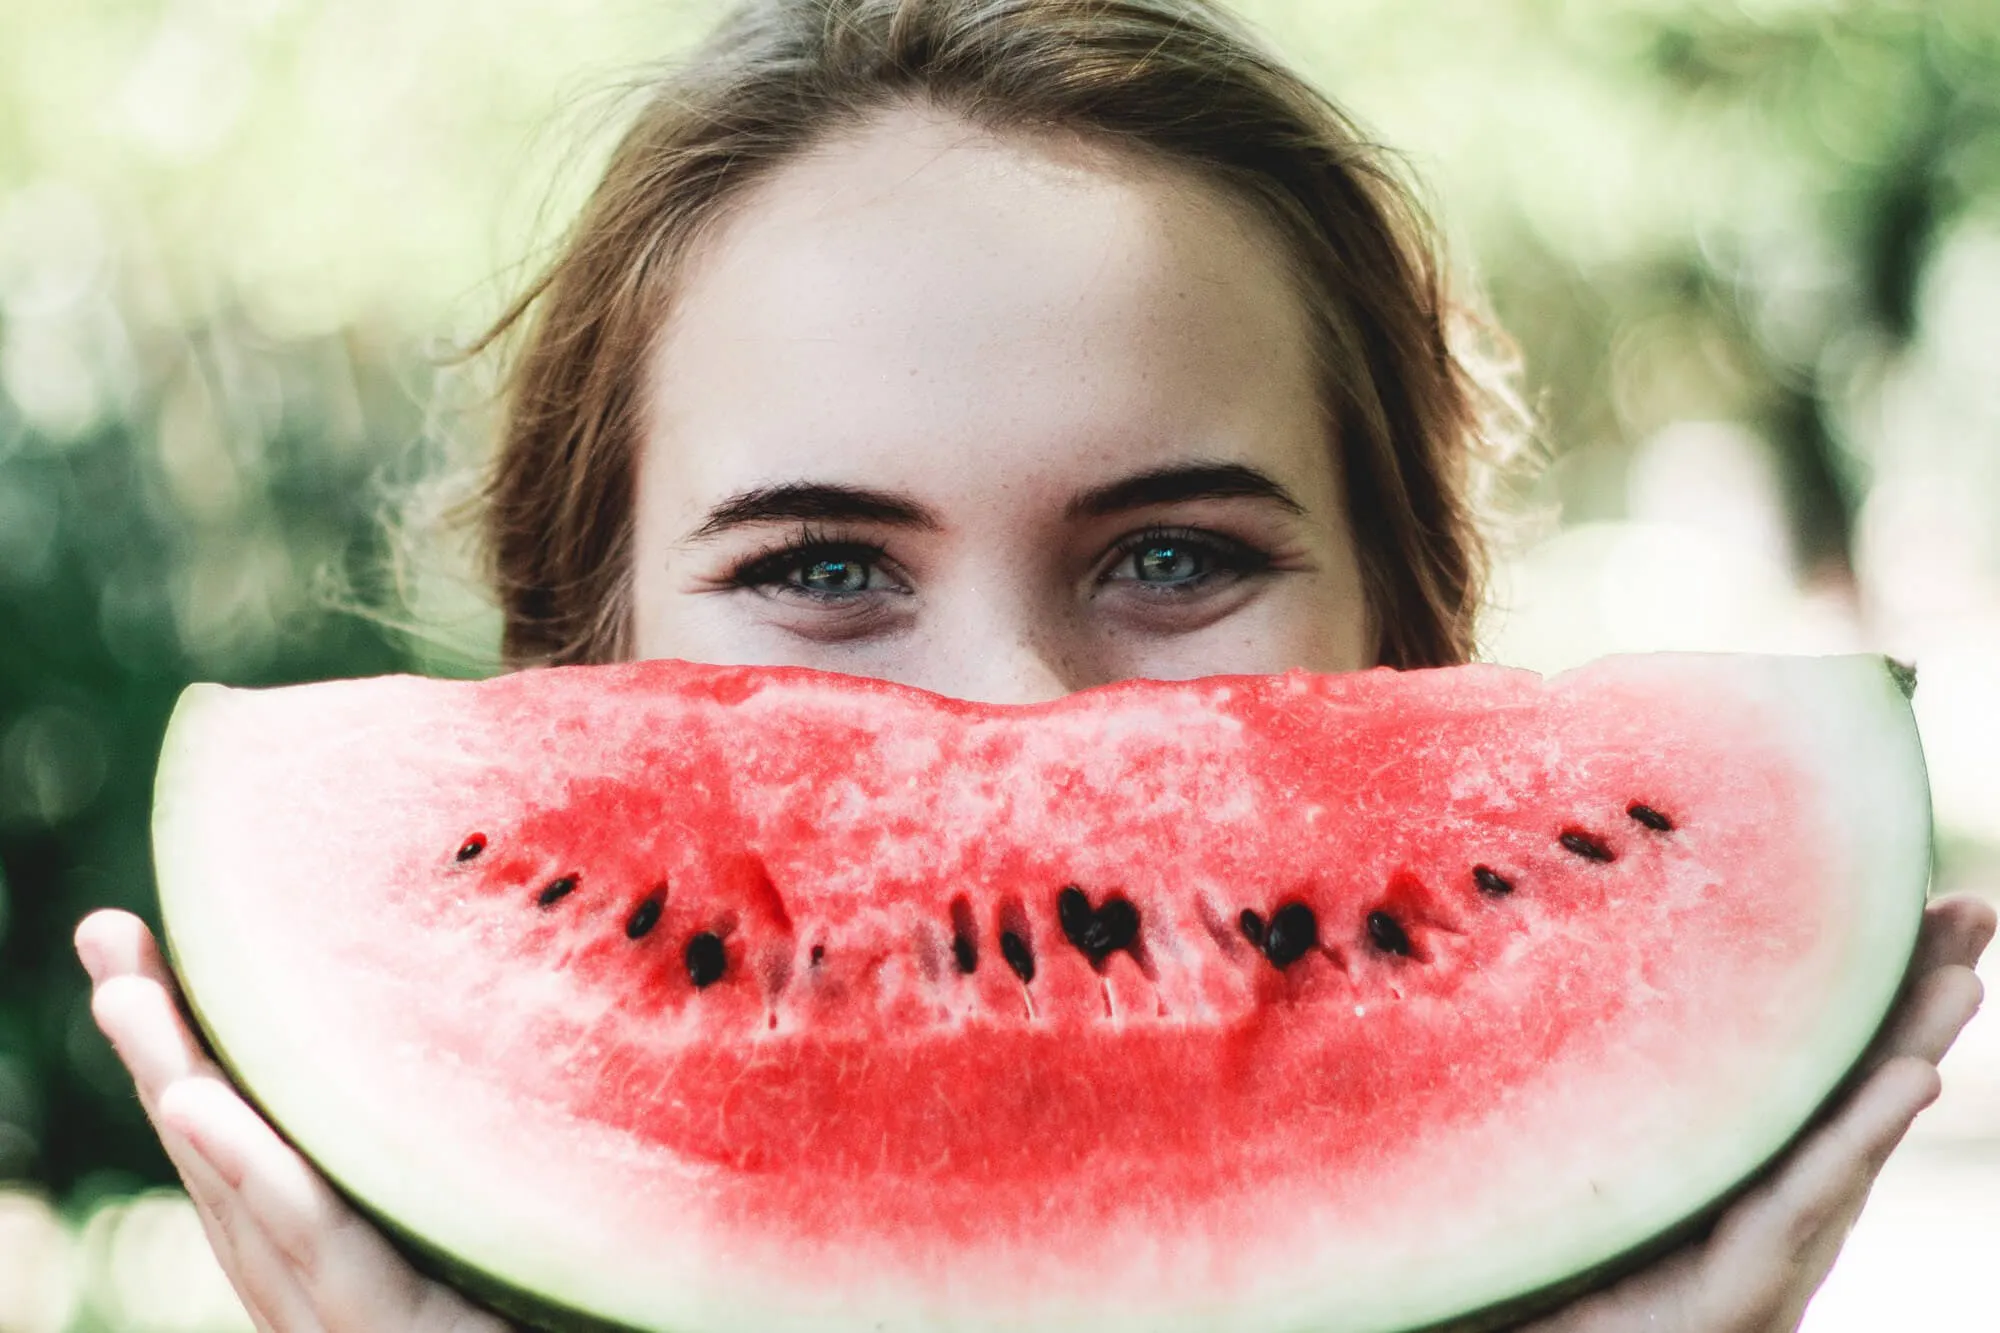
{"points": [[39, 1289]]}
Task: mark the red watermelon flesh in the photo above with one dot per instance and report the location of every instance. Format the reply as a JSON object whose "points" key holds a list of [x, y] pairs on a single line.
{"points": [[685, 997]]}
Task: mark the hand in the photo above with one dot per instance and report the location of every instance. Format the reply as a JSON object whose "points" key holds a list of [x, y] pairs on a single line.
{"points": [[1771, 1249], [300, 1258]]}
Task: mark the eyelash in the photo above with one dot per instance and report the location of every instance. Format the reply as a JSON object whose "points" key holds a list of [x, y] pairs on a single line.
{"points": [[770, 569], [773, 568], [1226, 555]]}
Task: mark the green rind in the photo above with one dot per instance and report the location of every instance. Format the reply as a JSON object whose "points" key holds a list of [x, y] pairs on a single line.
{"points": [[542, 1311], [1904, 674]]}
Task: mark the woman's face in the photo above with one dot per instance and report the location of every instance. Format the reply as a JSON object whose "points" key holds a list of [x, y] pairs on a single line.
{"points": [[999, 417]]}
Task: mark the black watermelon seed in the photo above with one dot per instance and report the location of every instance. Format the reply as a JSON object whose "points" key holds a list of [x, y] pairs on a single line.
{"points": [[1650, 817], [1252, 927], [1586, 845], [1491, 882], [964, 935], [706, 961], [471, 847], [1386, 933], [818, 954], [1097, 932], [555, 891], [1075, 913], [1018, 955], [1118, 924], [644, 917], [1294, 932]]}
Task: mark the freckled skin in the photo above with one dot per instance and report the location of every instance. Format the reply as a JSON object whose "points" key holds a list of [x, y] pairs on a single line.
{"points": [[988, 327]]}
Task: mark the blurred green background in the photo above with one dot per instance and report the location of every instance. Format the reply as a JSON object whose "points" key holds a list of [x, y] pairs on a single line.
{"points": [[1751, 253]]}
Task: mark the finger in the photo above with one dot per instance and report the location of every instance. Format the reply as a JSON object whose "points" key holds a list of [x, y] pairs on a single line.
{"points": [[265, 1277], [132, 1002], [262, 1276], [442, 1311], [144, 1027], [1656, 1294], [226, 1259], [350, 1276], [266, 1281], [1772, 1249], [1956, 930], [111, 943], [121, 956], [208, 1196], [261, 1283], [115, 943], [1930, 1017]]}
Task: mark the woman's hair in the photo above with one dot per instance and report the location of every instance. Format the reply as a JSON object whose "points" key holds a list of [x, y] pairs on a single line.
{"points": [[1176, 80]]}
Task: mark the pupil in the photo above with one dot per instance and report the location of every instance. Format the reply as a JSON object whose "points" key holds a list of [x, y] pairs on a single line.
{"points": [[1166, 564], [836, 576]]}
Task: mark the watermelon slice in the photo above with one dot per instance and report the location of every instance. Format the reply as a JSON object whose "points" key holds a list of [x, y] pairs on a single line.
{"points": [[664, 996]]}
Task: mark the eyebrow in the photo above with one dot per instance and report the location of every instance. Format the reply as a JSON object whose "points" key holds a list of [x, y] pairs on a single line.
{"points": [[797, 502], [804, 502], [1191, 481]]}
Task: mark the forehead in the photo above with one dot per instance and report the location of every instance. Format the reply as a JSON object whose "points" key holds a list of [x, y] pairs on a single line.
{"points": [[924, 304]]}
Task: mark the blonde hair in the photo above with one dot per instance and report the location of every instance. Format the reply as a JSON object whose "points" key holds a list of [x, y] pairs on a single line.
{"points": [[1178, 80]]}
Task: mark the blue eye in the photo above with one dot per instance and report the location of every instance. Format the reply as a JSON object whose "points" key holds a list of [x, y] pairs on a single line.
{"points": [[834, 576], [1183, 562], [1166, 562], [818, 570]]}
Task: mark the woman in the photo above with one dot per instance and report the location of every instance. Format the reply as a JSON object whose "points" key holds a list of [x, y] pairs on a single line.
{"points": [[1002, 348]]}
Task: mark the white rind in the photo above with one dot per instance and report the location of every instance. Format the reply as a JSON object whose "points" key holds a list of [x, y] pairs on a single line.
{"points": [[1844, 718]]}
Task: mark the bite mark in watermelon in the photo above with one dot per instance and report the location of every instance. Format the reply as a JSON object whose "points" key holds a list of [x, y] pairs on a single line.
{"points": [[677, 997]]}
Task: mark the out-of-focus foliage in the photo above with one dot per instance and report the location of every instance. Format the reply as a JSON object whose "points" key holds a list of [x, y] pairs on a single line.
{"points": [[231, 236], [1751, 252]]}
